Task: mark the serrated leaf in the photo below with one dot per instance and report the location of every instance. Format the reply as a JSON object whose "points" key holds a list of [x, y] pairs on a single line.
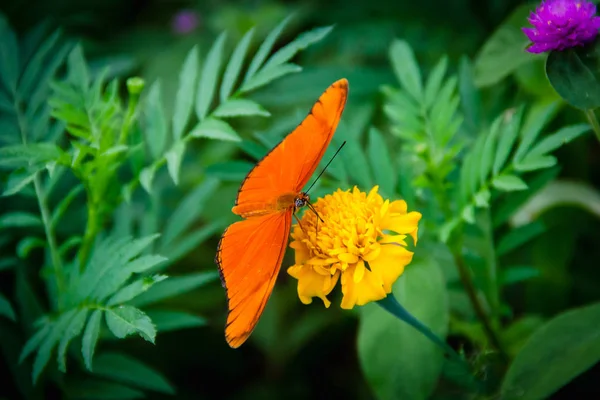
{"points": [[381, 162], [537, 117], [126, 320], [126, 369], [174, 286], [188, 210], [90, 338], [489, 149], [234, 66], [72, 331], [512, 275], [6, 308], [209, 77], [134, 289], [27, 244], [557, 139], [406, 68], [18, 180], [174, 157], [265, 76], [213, 128], [24, 155], [508, 183], [434, 81], [301, 42], [184, 99], [240, 108], [34, 342], [264, 49], [36, 65], [508, 135], [166, 320], [518, 237], [19, 219], [146, 177], [156, 121], [532, 163]]}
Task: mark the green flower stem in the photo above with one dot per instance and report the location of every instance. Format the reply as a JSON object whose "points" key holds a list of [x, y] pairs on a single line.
{"points": [[91, 230], [591, 115], [57, 266]]}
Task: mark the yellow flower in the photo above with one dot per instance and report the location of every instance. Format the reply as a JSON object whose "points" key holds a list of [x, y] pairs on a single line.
{"points": [[360, 241]]}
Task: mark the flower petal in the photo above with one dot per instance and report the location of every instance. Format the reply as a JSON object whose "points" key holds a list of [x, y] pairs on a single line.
{"points": [[360, 293], [312, 284], [390, 264]]}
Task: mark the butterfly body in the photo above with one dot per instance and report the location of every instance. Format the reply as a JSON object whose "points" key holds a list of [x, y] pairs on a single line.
{"points": [[251, 251]]}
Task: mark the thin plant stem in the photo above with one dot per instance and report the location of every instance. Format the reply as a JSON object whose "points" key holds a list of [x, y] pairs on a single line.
{"points": [[591, 116]]}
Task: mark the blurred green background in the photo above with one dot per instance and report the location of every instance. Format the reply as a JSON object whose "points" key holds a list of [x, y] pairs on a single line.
{"points": [[151, 38]]}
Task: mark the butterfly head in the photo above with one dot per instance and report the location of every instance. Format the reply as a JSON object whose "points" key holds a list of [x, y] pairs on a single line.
{"points": [[301, 200]]}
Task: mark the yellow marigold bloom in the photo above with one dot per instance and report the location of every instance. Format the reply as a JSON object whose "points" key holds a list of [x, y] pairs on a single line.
{"points": [[361, 241]]}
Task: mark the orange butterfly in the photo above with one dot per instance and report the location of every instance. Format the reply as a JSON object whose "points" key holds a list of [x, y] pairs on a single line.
{"points": [[250, 251]]}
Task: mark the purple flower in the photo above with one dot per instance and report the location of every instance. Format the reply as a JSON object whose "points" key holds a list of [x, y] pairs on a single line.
{"points": [[561, 24], [185, 21]]}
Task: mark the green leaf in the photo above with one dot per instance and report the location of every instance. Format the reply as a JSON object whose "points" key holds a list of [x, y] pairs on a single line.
{"points": [[519, 236], [72, 331], [406, 68], [174, 286], [234, 66], [95, 389], [188, 211], [209, 77], [6, 309], [19, 179], [192, 240], [382, 338], [23, 155], [134, 289], [90, 338], [231, 171], [303, 40], [27, 244], [126, 320], [264, 49], [512, 275], [488, 151], [213, 128], [353, 155], [381, 162], [126, 369], [573, 73], [265, 76], [19, 219], [557, 139], [508, 183], [175, 320], [184, 99], [36, 65], [534, 163], [78, 71], [434, 81], [9, 56], [174, 157], [156, 121], [62, 206], [538, 116], [33, 343], [508, 136], [146, 177], [240, 108], [566, 346]]}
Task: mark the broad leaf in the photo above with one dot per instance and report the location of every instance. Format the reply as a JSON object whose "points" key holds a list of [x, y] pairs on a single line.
{"points": [[90, 338]]}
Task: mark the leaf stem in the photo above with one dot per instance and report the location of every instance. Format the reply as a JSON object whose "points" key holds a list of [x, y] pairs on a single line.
{"points": [[591, 115]]}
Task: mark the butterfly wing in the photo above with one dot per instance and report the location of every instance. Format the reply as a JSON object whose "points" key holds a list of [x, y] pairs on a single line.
{"points": [[289, 166], [249, 257]]}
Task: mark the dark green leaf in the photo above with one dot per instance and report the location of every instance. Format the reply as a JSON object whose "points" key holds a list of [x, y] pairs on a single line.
{"points": [[209, 77], [78, 70], [406, 68], [126, 320], [19, 219], [508, 183], [73, 330], [381, 163], [6, 309], [27, 244], [234, 66], [240, 108], [303, 40], [175, 320], [469, 96], [537, 117], [191, 241], [489, 150], [512, 275], [382, 337], [519, 236], [508, 136], [90, 338], [134, 289], [126, 369], [94, 389], [174, 157], [9, 56], [156, 121], [574, 74], [184, 99], [60, 209], [19, 179], [34, 342], [565, 346], [35, 67], [265, 76], [213, 128], [24, 155], [174, 286], [264, 49], [557, 139]]}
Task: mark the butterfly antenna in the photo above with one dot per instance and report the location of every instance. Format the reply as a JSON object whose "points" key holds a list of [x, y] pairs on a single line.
{"points": [[315, 181], [312, 208]]}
